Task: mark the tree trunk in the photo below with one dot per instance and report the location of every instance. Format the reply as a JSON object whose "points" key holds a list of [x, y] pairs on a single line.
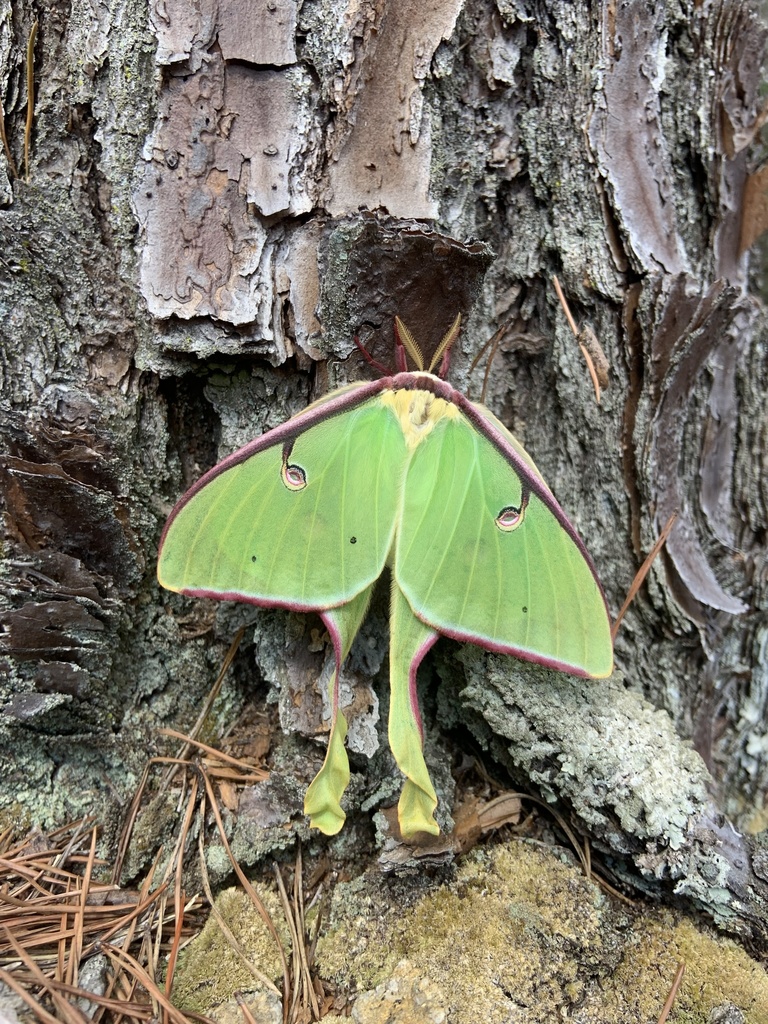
{"points": [[216, 199]]}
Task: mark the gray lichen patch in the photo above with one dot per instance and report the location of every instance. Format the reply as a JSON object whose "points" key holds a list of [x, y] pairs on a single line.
{"points": [[610, 754]]}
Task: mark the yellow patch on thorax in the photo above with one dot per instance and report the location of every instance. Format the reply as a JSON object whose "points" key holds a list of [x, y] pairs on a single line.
{"points": [[418, 412]]}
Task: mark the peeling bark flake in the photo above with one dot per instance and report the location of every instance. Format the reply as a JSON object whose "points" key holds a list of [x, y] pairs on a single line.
{"points": [[259, 32], [690, 329], [264, 112], [386, 158], [626, 136], [227, 146]]}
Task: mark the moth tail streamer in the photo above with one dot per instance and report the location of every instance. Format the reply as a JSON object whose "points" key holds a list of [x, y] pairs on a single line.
{"points": [[410, 639], [322, 802]]}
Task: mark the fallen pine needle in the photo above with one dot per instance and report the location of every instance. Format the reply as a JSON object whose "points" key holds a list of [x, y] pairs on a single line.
{"points": [[672, 994], [30, 95], [121, 958], [261, 909], [64, 1010], [237, 949], [642, 572], [7, 978], [55, 915], [586, 339], [592, 371], [218, 754], [184, 753], [247, 1015]]}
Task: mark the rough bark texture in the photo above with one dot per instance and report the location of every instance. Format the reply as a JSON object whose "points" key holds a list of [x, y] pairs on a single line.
{"points": [[185, 264]]}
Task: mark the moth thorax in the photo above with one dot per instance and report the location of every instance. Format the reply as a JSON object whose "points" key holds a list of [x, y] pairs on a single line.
{"points": [[418, 412]]}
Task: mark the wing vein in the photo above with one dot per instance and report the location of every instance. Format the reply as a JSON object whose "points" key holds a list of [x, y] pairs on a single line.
{"points": [[480, 504]]}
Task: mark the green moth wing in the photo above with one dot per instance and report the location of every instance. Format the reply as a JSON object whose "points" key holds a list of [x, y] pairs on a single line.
{"points": [[281, 522], [515, 577]]}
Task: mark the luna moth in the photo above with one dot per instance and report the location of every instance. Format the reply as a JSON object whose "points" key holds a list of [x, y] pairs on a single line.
{"points": [[405, 472]]}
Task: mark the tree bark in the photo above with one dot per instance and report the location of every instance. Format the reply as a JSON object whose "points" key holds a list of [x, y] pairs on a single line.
{"points": [[185, 262]]}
